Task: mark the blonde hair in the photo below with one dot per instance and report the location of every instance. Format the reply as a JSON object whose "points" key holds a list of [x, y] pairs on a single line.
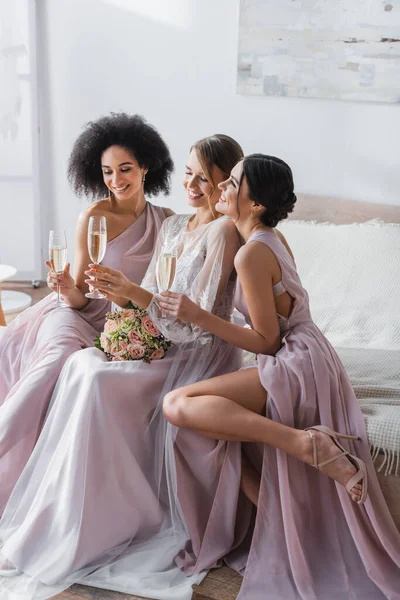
{"points": [[219, 150]]}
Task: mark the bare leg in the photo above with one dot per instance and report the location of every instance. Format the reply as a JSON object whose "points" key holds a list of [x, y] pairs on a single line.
{"points": [[231, 406]]}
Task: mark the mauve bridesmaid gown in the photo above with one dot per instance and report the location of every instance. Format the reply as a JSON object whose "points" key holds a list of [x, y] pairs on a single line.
{"points": [[310, 540], [35, 346]]}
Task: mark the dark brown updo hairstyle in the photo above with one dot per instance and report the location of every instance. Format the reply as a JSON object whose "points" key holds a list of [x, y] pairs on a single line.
{"points": [[270, 183], [220, 150]]}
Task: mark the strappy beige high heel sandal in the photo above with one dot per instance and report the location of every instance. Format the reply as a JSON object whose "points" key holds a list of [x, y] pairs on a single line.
{"points": [[360, 476]]}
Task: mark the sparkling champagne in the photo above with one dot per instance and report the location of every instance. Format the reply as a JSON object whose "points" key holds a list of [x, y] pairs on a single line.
{"points": [[58, 258], [97, 242], [58, 255], [166, 271]]}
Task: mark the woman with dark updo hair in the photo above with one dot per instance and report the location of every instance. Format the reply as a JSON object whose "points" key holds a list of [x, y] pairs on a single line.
{"points": [[118, 160], [311, 540]]}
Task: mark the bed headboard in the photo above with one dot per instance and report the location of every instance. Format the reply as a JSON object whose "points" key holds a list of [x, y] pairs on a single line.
{"points": [[324, 209]]}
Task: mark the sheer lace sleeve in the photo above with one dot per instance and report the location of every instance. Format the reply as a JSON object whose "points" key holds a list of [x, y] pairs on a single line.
{"points": [[204, 273], [149, 281]]}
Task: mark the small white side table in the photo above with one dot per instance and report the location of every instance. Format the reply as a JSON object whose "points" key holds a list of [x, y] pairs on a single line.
{"points": [[11, 301]]}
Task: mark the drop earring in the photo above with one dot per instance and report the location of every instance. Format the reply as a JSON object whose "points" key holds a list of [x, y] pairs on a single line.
{"points": [[144, 178]]}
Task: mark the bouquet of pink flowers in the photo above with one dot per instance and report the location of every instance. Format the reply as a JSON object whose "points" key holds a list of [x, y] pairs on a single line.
{"points": [[130, 334]]}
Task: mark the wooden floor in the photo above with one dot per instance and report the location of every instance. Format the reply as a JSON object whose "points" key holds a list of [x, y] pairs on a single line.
{"points": [[220, 584], [79, 592]]}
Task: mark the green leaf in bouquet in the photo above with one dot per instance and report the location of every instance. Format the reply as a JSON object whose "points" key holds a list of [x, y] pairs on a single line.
{"points": [[97, 343]]}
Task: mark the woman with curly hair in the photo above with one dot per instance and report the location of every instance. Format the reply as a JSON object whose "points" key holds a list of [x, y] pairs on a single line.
{"points": [[124, 158], [319, 533]]}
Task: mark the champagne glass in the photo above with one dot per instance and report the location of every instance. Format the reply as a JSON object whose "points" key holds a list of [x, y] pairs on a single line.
{"points": [[58, 255], [166, 268], [97, 242]]}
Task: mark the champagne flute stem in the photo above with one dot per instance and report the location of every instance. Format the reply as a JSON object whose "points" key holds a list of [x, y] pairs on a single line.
{"points": [[94, 277], [58, 293]]}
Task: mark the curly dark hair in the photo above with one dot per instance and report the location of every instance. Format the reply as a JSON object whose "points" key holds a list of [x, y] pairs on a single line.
{"points": [[270, 183], [131, 132]]}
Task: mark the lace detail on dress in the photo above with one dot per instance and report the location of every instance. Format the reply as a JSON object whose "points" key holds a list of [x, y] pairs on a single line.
{"points": [[199, 273]]}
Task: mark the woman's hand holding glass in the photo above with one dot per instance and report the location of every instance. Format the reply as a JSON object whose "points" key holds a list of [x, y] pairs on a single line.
{"points": [[97, 244], [63, 281], [179, 306], [109, 281], [57, 258]]}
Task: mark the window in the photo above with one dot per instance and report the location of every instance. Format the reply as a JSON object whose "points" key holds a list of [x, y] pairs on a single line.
{"points": [[20, 235]]}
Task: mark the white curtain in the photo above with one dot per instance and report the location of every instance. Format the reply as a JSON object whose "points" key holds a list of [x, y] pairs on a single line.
{"points": [[11, 48]]}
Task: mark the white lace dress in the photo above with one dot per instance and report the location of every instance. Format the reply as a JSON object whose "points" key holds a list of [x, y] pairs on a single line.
{"points": [[95, 503]]}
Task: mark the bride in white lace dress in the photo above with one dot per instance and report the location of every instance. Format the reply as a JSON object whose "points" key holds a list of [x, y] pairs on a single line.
{"points": [[94, 504]]}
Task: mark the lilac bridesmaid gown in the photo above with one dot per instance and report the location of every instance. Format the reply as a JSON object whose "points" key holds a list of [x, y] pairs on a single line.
{"points": [[95, 504], [311, 542], [36, 345]]}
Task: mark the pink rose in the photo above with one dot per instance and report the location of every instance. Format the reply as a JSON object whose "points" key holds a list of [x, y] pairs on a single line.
{"points": [[157, 354], [134, 337], [136, 351], [149, 326], [122, 345], [110, 326], [113, 348], [120, 355], [128, 314]]}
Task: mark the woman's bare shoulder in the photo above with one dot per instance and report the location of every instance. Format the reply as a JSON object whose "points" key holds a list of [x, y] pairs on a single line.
{"points": [[254, 255], [101, 207], [96, 209]]}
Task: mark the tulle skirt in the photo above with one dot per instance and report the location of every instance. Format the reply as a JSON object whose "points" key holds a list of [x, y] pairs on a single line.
{"points": [[97, 502]]}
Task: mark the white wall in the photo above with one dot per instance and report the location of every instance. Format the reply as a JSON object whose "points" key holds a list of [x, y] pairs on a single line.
{"points": [[174, 61], [19, 202]]}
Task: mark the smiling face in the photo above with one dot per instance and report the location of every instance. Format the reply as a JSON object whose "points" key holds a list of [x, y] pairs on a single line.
{"points": [[200, 191], [122, 173], [229, 203]]}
